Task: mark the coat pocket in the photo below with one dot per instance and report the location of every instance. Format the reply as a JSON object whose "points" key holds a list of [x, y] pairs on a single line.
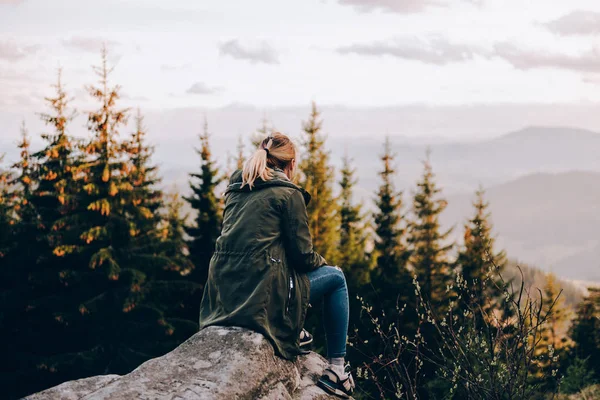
{"points": [[290, 293], [289, 284]]}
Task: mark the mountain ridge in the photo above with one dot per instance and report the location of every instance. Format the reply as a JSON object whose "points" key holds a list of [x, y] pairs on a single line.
{"points": [[547, 219]]}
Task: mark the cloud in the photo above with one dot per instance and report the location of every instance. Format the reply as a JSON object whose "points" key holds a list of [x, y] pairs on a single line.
{"points": [[20, 100], [126, 96], [11, 1], [18, 74], [12, 51], [578, 22], [88, 44], [263, 53], [170, 68], [526, 59], [592, 79], [400, 6], [439, 51], [202, 88], [436, 50]]}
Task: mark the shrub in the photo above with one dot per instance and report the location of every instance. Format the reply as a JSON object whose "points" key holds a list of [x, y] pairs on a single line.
{"points": [[476, 353]]}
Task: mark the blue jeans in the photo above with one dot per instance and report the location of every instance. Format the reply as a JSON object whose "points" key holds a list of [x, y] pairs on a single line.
{"points": [[328, 283]]}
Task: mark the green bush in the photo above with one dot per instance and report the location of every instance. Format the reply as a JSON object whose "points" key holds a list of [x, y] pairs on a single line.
{"points": [[578, 376]]}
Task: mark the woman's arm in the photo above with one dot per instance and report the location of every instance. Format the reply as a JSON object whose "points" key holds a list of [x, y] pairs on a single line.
{"points": [[296, 233]]}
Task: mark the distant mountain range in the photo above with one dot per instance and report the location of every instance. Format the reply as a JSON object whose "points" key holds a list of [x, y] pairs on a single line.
{"points": [[549, 220], [462, 166]]}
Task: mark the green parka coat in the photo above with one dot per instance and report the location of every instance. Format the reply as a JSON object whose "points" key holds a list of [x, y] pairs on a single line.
{"points": [[257, 275]]}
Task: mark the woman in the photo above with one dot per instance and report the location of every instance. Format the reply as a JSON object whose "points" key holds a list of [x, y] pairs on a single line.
{"points": [[264, 271]]}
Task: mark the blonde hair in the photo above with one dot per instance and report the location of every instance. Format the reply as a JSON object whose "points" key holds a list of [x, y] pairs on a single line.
{"points": [[276, 150]]}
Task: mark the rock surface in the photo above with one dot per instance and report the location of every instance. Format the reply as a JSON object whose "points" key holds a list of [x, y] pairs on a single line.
{"points": [[215, 363]]}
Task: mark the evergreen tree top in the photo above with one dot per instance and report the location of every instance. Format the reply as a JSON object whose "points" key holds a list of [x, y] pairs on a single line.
{"points": [[427, 207], [387, 157], [266, 128], [209, 174], [313, 139], [24, 165], [5, 181], [208, 177], [241, 159], [141, 153], [347, 180], [350, 214], [318, 181], [105, 121], [204, 151], [206, 226], [62, 114], [389, 233], [478, 232]]}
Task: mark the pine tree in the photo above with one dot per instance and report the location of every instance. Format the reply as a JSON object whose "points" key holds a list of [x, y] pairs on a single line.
{"points": [[11, 285], [390, 274], [7, 241], [241, 159], [206, 228], [429, 257], [184, 293], [162, 313], [388, 297], [35, 331], [553, 304], [104, 174], [105, 305], [94, 242], [265, 129], [585, 330], [6, 220], [318, 181], [146, 199], [26, 250], [20, 331], [146, 213], [173, 233], [113, 292], [56, 160], [431, 267], [24, 210], [482, 274], [56, 164], [578, 376], [352, 231], [550, 345]]}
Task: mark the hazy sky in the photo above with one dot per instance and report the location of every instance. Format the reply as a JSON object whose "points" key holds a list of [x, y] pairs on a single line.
{"points": [[270, 54], [186, 53]]}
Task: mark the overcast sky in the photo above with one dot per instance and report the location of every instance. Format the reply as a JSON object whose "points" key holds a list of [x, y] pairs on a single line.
{"points": [[268, 53]]}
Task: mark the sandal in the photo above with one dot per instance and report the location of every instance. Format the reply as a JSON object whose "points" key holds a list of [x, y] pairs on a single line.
{"points": [[332, 383], [306, 340]]}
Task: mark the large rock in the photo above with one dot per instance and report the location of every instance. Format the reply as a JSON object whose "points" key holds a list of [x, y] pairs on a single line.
{"points": [[216, 363]]}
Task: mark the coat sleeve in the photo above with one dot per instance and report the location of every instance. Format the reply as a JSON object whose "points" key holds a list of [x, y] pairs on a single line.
{"points": [[296, 234]]}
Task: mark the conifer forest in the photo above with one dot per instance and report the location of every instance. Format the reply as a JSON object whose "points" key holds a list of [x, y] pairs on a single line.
{"points": [[102, 267]]}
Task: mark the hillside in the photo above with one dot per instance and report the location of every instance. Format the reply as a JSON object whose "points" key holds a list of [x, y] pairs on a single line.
{"points": [[535, 279], [550, 220], [462, 166]]}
